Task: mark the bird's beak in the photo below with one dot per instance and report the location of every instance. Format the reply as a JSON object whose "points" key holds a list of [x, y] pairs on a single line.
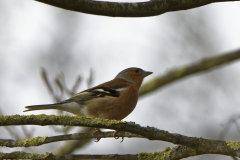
{"points": [[146, 73]]}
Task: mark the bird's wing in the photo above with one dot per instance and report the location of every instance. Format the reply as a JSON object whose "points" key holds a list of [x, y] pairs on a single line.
{"points": [[110, 88]]}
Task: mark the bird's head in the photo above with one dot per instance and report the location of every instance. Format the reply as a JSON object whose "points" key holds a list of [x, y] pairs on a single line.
{"points": [[134, 75]]}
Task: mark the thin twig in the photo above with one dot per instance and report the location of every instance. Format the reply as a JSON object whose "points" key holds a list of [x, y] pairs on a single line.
{"points": [[48, 85], [38, 141], [90, 79], [76, 84]]}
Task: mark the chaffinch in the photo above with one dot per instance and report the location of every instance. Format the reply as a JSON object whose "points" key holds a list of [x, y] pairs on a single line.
{"points": [[114, 99]]}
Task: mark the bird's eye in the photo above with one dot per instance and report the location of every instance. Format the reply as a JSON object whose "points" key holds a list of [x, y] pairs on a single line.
{"points": [[136, 70]]}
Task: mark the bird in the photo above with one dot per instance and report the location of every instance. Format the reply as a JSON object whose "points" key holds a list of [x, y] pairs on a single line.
{"points": [[114, 99]]}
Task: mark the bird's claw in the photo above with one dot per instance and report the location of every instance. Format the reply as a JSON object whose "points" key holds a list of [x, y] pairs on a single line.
{"points": [[96, 131], [122, 140], [114, 135], [97, 140]]}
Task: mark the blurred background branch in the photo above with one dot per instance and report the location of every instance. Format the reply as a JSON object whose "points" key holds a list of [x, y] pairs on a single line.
{"points": [[123, 9], [232, 121], [182, 72], [60, 84]]}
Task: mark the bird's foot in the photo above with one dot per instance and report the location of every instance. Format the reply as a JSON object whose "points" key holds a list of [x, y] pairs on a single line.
{"points": [[114, 135], [96, 131]]}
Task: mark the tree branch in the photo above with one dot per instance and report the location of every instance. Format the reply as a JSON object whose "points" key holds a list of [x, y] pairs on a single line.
{"points": [[37, 141], [120, 9], [49, 156], [175, 153], [182, 72], [199, 145]]}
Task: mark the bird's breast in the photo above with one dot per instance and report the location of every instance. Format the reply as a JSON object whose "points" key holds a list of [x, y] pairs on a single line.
{"points": [[109, 107]]}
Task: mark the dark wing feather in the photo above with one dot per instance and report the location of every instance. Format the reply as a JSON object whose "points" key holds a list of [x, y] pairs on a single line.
{"points": [[98, 92], [104, 91]]}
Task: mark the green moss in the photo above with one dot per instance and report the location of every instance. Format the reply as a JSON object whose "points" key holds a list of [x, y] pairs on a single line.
{"points": [[178, 72], [23, 155], [150, 86], [164, 155], [52, 119], [233, 145], [30, 142]]}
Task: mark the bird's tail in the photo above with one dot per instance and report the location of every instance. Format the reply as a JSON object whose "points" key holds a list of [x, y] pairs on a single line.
{"points": [[71, 107], [42, 107]]}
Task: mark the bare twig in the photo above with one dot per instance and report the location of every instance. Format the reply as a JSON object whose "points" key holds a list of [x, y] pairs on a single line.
{"points": [[60, 86], [227, 126], [76, 84], [90, 79], [63, 84], [45, 78], [27, 133]]}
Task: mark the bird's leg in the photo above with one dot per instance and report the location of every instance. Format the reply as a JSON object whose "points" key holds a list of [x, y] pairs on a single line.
{"points": [[114, 135], [96, 131]]}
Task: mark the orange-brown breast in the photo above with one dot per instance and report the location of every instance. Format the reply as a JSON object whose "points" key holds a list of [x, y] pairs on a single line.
{"points": [[114, 107]]}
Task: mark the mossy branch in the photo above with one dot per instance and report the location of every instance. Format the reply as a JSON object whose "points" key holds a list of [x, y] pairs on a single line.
{"points": [[49, 156], [184, 71], [175, 153], [168, 154], [37, 141], [199, 145], [122, 9]]}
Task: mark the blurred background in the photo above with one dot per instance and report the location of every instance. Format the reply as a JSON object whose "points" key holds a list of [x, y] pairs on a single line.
{"points": [[35, 35]]}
